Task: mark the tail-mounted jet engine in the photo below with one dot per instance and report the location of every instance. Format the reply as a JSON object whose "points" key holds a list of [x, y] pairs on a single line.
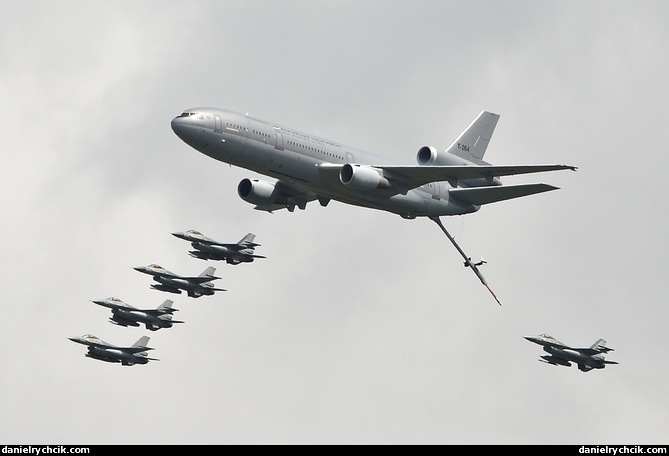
{"points": [[428, 155]]}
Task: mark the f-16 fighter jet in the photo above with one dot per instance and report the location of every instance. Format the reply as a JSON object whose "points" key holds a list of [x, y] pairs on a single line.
{"points": [[173, 283], [137, 353], [209, 249], [126, 315], [563, 355]]}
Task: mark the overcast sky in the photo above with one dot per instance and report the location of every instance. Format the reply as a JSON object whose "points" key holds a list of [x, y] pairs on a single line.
{"points": [[359, 326]]}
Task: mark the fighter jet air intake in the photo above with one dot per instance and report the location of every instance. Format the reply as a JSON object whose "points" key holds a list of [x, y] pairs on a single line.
{"points": [[454, 181]]}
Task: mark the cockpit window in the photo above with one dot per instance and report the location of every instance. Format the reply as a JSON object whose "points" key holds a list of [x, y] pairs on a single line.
{"points": [[195, 232], [187, 114], [155, 266]]}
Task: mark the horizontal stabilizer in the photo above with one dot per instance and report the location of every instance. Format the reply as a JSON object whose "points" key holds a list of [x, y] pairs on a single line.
{"points": [[486, 195]]}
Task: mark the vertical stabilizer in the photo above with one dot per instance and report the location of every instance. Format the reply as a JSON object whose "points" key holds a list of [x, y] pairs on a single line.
{"points": [[208, 272], [473, 142], [248, 239], [600, 346], [142, 342], [166, 305]]}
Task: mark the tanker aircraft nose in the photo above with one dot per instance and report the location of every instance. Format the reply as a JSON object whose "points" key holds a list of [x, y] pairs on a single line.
{"points": [[182, 122]]}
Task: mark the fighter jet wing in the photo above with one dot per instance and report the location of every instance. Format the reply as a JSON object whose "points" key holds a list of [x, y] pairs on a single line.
{"points": [[200, 279], [593, 351], [136, 349], [159, 311]]}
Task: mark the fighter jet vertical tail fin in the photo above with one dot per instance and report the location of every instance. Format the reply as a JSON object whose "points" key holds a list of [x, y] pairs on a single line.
{"points": [[600, 342], [167, 304], [247, 240], [473, 142], [600, 346], [208, 272], [141, 342]]}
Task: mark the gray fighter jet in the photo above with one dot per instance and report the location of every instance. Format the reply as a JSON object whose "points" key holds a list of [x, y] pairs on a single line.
{"points": [[209, 249], [174, 283], [126, 315], [104, 351], [563, 355]]}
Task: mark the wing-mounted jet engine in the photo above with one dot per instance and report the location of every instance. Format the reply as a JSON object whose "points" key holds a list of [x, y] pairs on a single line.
{"points": [[260, 192], [361, 177], [268, 196]]}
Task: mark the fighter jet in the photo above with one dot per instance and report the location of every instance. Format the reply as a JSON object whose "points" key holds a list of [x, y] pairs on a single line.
{"points": [[174, 283], [104, 351], [209, 249], [563, 355], [126, 315]]}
